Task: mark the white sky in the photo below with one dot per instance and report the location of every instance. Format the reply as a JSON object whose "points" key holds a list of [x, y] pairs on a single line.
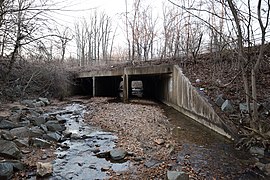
{"points": [[75, 10]]}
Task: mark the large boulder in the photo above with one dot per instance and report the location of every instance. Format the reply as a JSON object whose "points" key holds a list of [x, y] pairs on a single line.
{"points": [[9, 149]]}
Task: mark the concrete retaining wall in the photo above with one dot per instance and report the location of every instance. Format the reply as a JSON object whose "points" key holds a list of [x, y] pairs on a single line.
{"points": [[182, 96]]}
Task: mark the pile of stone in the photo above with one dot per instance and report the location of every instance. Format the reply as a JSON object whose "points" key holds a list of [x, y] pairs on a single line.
{"points": [[27, 126]]}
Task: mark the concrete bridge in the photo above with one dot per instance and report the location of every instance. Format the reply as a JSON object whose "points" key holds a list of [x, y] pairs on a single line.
{"points": [[166, 83]]}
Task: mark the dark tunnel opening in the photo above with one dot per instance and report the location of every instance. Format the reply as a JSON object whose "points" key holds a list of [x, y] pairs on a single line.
{"points": [[140, 86]]}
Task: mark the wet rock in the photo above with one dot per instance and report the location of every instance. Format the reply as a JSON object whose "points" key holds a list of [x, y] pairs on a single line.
{"points": [[257, 151], [103, 154], [36, 132], [44, 169], [177, 175], [37, 121], [219, 100], [227, 106], [28, 103], [60, 119], [159, 141], [118, 154], [6, 170], [52, 136], [95, 150], [9, 149], [6, 124], [37, 142], [20, 132], [54, 126], [105, 168], [44, 100]]}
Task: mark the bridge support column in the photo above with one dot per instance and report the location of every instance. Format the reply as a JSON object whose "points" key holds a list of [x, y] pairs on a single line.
{"points": [[94, 86], [125, 88]]}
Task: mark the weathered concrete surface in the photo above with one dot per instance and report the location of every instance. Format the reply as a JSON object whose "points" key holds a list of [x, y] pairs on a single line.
{"points": [[181, 95], [114, 72]]}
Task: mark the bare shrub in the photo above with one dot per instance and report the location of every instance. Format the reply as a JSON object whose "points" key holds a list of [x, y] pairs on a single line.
{"points": [[29, 80]]}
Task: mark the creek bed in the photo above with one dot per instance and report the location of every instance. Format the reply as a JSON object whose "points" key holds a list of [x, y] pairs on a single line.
{"points": [[79, 161]]}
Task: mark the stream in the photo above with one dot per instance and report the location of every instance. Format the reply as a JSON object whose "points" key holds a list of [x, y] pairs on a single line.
{"points": [[80, 160], [208, 153]]}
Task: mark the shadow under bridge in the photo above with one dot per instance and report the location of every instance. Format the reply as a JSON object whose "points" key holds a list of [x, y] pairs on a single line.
{"points": [[151, 81]]}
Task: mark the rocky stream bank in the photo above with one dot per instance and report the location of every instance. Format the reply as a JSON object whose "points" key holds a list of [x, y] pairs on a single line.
{"points": [[102, 138]]}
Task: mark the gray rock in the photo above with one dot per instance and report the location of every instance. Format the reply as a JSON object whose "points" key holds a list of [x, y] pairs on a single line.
{"points": [[257, 150], [54, 126], [9, 149], [20, 132], [25, 123], [219, 101], [244, 109], [52, 136], [44, 169], [118, 154], [35, 132], [28, 103], [44, 127], [44, 100], [227, 106], [60, 119], [21, 142], [6, 135], [6, 124], [6, 170], [152, 163], [39, 104], [15, 117], [37, 121], [37, 142], [177, 175]]}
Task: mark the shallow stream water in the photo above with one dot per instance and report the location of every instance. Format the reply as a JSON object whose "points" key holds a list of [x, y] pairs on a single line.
{"points": [[79, 161], [210, 154]]}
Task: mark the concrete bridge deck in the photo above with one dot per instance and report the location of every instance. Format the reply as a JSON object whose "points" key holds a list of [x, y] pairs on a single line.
{"points": [[166, 83]]}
